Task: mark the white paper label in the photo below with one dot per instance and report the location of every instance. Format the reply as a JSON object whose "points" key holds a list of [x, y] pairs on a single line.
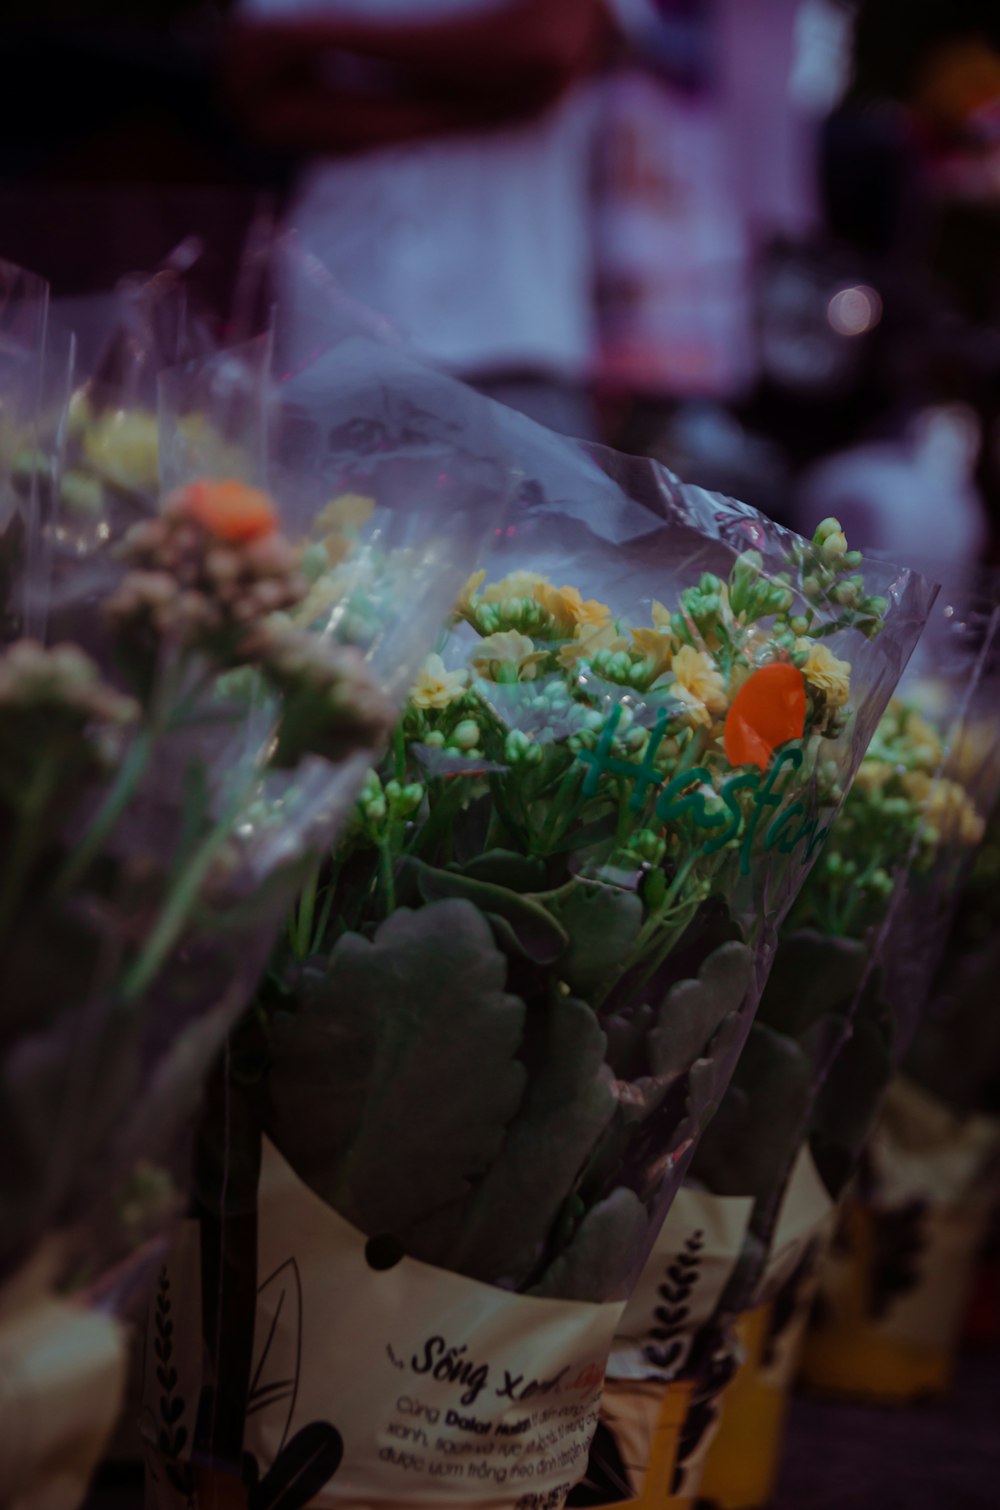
{"points": [[442, 1390], [680, 1287]]}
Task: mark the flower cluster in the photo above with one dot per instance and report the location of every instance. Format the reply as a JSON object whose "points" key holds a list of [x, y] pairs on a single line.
{"points": [[643, 748], [208, 566], [900, 807]]}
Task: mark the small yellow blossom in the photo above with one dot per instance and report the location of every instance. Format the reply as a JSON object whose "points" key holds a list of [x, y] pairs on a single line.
{"points": [[698, 684], [436, 686], [517, 584], [929, 750], [569, 609], [662, 618], [826, 672], [124, 447], [348, 511], [509, 648], [656, 648], [587, 642], [872, 775], [463, 603], [945, 805]]}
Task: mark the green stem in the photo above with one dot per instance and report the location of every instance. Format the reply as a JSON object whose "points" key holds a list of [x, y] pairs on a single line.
{"points": [[387, 874], [302, 922], [399, 749], [176, 911], [32, 801], [557, 822], [130, 773]]}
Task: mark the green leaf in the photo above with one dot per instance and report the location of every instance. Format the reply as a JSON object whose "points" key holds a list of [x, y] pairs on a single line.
{"points": [[538, 934], [750, 1142], [848, 1101], [599, 1261], [391, 1089], [602, 924], [693, 1009], [710, 1075], [813, 974], [501, 1232], [504, 867]]}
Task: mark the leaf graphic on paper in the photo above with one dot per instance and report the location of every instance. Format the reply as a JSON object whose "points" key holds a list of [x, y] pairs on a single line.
{"points": [[274, 1382], [300, 1471], [694, 1009], [500, 1232], [392, 1087]]}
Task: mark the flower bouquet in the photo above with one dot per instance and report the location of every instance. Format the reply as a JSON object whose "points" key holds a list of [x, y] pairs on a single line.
{"points": [[929, 1181], [508, 1003], [744, 1240], [887, 1322], [167, 770]]}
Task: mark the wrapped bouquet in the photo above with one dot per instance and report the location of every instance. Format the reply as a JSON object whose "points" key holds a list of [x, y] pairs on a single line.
{"points": [[189, 731], [836, 1013], [510, 1000]]}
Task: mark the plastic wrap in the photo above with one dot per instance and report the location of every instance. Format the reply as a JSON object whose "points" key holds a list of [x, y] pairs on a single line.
{"points": [[849, 980], [512, 1001], [171, 767]]}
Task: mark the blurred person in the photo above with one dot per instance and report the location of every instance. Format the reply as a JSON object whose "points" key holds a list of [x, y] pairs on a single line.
{"points": [[446, 181]]}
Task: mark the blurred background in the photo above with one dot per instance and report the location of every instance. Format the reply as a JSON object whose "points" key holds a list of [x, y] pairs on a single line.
{"points": [[758, 239]]}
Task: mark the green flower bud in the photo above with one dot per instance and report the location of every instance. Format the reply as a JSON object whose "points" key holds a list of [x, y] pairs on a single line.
{"points": [[520, 749], [647, 845], [465, 736]]}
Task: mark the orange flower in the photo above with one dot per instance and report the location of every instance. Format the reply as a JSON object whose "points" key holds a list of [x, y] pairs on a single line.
{"points": [[229, 509], [767, 711]]}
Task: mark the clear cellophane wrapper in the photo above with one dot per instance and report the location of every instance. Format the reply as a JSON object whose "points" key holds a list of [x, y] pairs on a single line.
{"points": [[551, 925]]}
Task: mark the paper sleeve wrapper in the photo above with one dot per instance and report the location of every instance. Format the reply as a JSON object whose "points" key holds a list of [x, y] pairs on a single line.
{"points": [[381, 1381], [896, 1286], [62, 1377], [677, 1296]]}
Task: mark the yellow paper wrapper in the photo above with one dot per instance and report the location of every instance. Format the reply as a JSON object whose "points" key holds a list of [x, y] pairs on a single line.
{"points": [[896, 1286]]}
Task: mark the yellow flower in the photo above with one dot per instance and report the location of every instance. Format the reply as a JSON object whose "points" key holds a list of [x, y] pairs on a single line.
{"points": [[437, 687], [508, 648], [872, 775], [661, 616], [826, 673], [463, 603], [657, 649], [569, 609], [517, 584], [587, 641], [698, 684], [929, 750], [946, 806], [348, 511], [124, 446]]}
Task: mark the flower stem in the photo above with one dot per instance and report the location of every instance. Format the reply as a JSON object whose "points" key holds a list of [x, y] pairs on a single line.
{"points": [[176, 911], [33, 798], [130, 773]]}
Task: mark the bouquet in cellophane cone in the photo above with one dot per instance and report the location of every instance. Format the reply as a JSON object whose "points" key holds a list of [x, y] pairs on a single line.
{"points": [[893, 1291], [742, 1241], [184, 734], [511, 998]]}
